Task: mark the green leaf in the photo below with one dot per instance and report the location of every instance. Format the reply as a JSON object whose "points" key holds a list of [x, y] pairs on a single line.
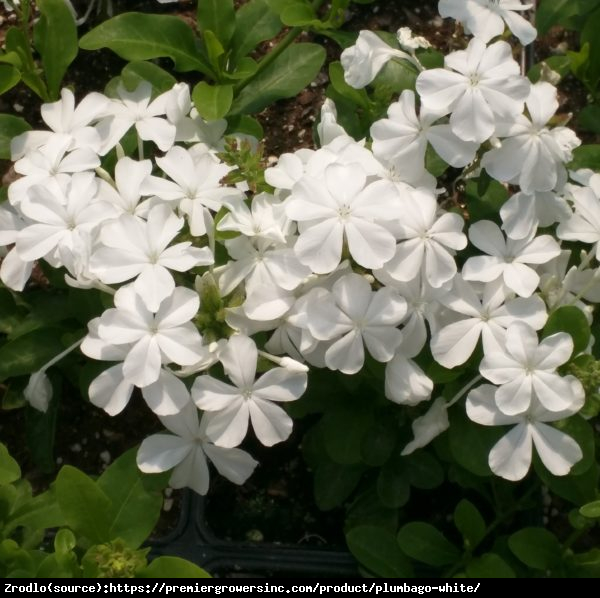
{"points": [[558, 64], [376, 549], [578, 489], [18, 43], [393, 487], [217, 16], [55, 38], [298, 14], [9, 77], [39, 513], [135, 507], [84, 505], [583, 433], [134, 73], [255, 22], [357, 96], [9, 468], [484, 203], [536, 547], [589, 118], [589, 35], [591, 510], [28, 353], [138, 36], [469, 522], [554, 12], [242, 123], [424, 470], [379, 441], [470, 443], [214, 51], [286, 76], [343, 430], [172, 567], [10, 126], [569, 319], [333, 483], [41, 429], [423, 542], [489, 565], [212, 101], [586, 156]]}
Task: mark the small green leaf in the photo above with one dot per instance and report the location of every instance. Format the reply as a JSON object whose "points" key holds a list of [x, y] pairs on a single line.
{"points": [[569, 319], [172, 567], [255, 22], [424, 470], [10, 126], [28, 353], [219, 17], [583, 433], [298, 14], [212, 101], [589, 118], [333, 483], [242, 123], [393, 487], [423, 542], [139, 36], [536, 547], [379, 441], [9, 468], [489, 565], [376, 549], [591, 510], [357, 96], [469, 523], [578, 489], [586, 156], [84, 505], [38, 513], [344, 428], [554, 12], [214, 51], [485, 203], [286, 76], [9, 77], [55, 37]]}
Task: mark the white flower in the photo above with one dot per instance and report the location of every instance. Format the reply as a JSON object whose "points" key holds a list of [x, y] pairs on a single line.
{"points": [[485, 18], [523, 213], [526, 371], [353, 314], [328, 128], [405, 381], [230, 406], [425, 240], [126, 193], [186, 451], [152, 339], [478, 86], [510, 457], [427, 427], [402, 138], [508, 258], [14, 272], [342, 207], [135, 108], [532, 155], [38, 391], [58, 218], [136, 248], [584, 224], [195, 184], [488, 318], [366, 58], [65, 119]]}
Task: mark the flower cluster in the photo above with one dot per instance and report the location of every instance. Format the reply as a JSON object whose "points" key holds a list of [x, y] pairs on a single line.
{"points": [[351, 256]]}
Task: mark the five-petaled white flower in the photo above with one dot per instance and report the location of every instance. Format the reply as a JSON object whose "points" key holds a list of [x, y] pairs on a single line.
{"points": [[510, 457], [526, 371], [230, 407]]}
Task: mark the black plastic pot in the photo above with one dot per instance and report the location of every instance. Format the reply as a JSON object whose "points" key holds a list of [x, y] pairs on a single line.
{"points": [[193, 540]]}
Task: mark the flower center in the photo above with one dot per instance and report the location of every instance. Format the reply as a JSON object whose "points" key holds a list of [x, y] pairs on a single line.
{"points": [[344, 211], [474, 79]]}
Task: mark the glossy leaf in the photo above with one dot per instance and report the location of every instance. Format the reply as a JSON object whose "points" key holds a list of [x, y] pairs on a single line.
{"points": [[286, 76], [212, 101], [219, 17], [137, 36], [536, 547], [424, 543], [10, 126], [469, 523], [9, 468], [9, 77], [569, 319], [376, 549]]}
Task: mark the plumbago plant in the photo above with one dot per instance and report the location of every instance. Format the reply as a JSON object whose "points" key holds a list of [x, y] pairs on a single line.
{"points": [[424, 295]]}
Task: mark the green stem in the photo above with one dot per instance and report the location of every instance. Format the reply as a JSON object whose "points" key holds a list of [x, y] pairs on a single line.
{"points": [[269, 58]]}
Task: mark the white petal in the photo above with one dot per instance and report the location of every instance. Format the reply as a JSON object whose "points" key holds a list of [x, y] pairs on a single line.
{"points": [[161, 452], [558, 451], [270, 422], [510, 457]]}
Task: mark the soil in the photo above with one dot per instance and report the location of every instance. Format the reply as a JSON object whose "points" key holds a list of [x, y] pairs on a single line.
{"points": [[278, 500]]}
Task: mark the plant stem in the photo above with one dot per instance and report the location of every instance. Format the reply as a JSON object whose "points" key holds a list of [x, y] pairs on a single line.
{"points": [[269, 58]]}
